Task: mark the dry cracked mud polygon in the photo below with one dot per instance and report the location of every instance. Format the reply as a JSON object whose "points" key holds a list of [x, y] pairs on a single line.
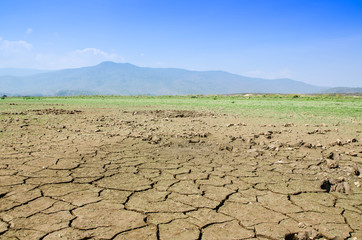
{"points": [[98, 174]]}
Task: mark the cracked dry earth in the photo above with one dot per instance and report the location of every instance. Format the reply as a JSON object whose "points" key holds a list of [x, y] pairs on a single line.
{"points": [[157, 174]]}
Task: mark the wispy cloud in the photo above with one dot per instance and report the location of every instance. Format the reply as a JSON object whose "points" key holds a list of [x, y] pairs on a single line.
{"points": [[23, 55], [15, 53], [10, 47], [283, 73], [29, 31], [97, 54], [76, 58]]}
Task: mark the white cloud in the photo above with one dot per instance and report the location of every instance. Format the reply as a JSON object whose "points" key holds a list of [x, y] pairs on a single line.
{"points": [[77, 58], [21, 54], [284, 73], [29, 31], [15, 53], [87, 57], [93, 51], [97, 53], [8, 47]]}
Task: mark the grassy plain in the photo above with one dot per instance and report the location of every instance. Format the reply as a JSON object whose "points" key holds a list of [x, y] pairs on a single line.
{"points": [[310, 108]]}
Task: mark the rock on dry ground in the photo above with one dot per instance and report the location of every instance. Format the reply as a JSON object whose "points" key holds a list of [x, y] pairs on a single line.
{"points": [[157, 174]]}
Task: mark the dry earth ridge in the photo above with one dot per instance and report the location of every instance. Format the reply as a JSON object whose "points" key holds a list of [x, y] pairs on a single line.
{"points": [[95, 174]]}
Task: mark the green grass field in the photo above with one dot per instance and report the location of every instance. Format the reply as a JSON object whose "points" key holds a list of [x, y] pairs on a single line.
{"points": [[308, 108]]}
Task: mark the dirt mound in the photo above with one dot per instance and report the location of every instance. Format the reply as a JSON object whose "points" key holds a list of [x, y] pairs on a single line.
{"points": [[54, 111], [13, 113], [172, 113]]}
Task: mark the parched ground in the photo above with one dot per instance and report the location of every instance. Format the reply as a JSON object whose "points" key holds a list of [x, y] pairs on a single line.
{"points": [[93, 173]]}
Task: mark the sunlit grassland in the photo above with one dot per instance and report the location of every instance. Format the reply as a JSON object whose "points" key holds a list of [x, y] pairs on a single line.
{"points": [[308, 108]]}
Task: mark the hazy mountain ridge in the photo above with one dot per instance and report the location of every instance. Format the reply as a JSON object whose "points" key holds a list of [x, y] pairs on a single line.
{"points": [[343, 90], [127, 79]]}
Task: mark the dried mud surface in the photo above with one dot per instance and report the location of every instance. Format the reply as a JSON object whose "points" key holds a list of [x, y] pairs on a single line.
{"points": [[100, 174]]}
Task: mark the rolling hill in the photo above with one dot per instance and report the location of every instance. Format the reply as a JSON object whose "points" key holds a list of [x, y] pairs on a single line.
{"points": [[127, 79], [343, 90]]}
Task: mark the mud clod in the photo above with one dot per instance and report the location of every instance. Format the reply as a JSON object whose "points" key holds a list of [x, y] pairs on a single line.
{"points": [[332, 164], [55, 111], [303, 235], [357, 170], [336, 185]]}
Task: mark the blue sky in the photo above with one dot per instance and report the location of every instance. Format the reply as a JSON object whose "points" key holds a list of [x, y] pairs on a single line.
{"points": [[318, 42]]}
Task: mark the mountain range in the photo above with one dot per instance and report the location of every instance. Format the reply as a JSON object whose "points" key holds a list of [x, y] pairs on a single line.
{"points": [[109, 78]]}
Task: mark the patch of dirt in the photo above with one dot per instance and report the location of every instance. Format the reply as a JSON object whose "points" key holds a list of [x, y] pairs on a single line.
{"points": [[172, 113], [55, 111], [173, 174], [13, 113]]}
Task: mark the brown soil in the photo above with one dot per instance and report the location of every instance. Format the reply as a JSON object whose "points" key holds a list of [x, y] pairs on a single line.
{"points": [[97, 174]]}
